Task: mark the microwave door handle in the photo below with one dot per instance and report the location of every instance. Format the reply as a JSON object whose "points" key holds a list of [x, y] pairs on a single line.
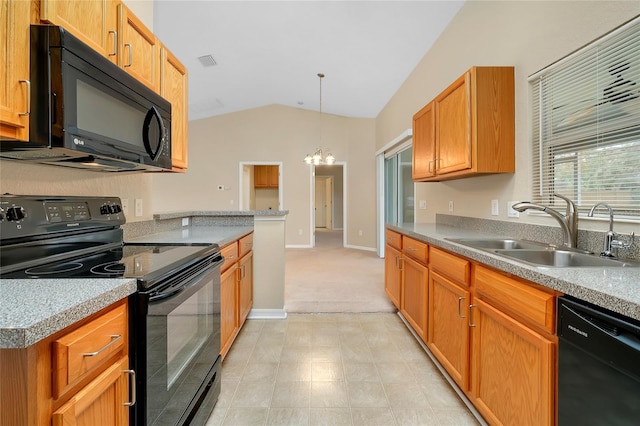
{"points": [[153, 113]]}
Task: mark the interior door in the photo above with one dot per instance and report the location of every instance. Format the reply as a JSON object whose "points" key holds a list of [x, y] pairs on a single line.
{"points": [[320, 201]]}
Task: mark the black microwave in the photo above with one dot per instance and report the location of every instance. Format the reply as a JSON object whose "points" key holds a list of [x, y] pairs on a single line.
{"points": [[88, 113]]}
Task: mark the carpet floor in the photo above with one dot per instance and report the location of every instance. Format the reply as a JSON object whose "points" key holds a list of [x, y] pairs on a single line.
{"points": [[332, 279]]}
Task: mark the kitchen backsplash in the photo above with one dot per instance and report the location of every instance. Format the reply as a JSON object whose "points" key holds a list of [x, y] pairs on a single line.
{"points": [[587, 240], [139, 229]]}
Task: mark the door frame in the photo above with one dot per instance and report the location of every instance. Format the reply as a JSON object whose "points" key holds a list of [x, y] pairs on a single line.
{"points": [[243, 186], [312, 203]]}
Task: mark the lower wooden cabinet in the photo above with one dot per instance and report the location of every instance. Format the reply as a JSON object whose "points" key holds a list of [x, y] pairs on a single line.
{"points": [[77, 376], [512, 370], [392, 274], [228, 317], [448, 337], [492, 332], [236, 289], [414, 295], [100, 402]]}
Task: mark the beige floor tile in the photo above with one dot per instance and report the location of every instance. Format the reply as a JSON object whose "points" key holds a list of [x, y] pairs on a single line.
{"points": [[361, 372], [325, 354], [366, 394], [217, 417], [455, 416], [291, 394], [294, 372], [440, 394], [329, 394], [288, 416], [415, 417], [395, 372], [227, 391], [266, 353], [329, 417], [246, 417], [405, 395], [252, 395], [326, 371], [372, 416], [260, 372]]}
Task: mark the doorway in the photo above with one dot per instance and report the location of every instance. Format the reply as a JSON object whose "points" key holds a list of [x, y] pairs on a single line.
{"points": [[261, 186], [328, 209]]}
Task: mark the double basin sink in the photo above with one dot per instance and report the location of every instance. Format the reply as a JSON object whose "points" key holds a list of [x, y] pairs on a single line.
{"points": [[541, 254]]}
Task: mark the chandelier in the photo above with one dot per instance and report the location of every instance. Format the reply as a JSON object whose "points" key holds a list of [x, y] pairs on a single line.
{"points": [[322, 155]]}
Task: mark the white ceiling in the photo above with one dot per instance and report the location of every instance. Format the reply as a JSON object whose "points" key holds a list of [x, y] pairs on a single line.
{"points": [[270, 52]]}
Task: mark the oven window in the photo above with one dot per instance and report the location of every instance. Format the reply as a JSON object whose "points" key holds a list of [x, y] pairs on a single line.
{"points": [[189, 326]]}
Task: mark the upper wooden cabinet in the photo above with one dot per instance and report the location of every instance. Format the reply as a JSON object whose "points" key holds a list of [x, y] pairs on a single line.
{"points": [[265, 176], [173, 78], [15, 84], [138, 49], [468, 129], [92, 21], [424, 143]]}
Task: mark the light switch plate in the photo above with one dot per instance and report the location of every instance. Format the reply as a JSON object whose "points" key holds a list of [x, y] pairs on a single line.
{"points": [[495, 208], [423, 204], [138, 207], [451, 206]]}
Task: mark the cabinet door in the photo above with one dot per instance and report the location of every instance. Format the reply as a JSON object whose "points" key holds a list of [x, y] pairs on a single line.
{"points": [[228, 310], [14, 55], [424, 143], [414, 295], [512, 370], [245, 286], [92, 21], [139, 51], [272, 177], [453, 127], [448, 336], [174, 89], [260, 178], [392, 274], [101, 402]]}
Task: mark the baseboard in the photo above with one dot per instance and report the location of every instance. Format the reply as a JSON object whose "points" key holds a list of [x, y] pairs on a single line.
{"points": [[267, 314], [298, 246], [360, 248]]}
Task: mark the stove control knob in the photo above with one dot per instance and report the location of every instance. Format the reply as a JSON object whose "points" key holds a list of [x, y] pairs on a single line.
{"points": [[1, 214], [104, 209], [15, 214], [116, 209]]}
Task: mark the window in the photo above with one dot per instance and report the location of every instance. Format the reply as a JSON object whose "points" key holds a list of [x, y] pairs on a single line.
{"points": [[398, 187], [586, 125]]}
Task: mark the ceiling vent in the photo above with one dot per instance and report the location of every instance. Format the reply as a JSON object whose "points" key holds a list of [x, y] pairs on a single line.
{"points": [[207, 61]]}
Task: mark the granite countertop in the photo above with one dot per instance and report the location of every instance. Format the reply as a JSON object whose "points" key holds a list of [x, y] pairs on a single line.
{"points": [[617, 289], [164, 216], [32, 309], [220, 235]]}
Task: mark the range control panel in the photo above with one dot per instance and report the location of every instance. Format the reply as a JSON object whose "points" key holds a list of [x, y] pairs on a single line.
{"points": [[29, 215]]}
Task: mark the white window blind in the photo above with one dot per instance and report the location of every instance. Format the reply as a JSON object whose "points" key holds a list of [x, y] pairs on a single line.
{"points": [[586, 125]]}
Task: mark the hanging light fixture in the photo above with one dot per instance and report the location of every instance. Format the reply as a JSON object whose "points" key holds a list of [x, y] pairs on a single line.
{"points": [[322, 155]]}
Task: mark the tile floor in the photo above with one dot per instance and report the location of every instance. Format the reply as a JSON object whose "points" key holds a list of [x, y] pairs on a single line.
{"points": [[333, 369]]}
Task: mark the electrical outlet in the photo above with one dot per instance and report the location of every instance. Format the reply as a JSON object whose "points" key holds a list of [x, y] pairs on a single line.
{"points": [[423, 204], [450, 206], [359, 232], [125, 205], [185, 221], [138, 207], [510, 211], [495, 208]]}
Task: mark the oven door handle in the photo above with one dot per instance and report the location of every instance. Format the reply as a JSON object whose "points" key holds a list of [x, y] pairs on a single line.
{"points": [[172, 291]]}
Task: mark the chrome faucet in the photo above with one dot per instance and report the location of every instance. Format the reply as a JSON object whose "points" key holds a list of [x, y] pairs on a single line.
{"points": [[568, 222], [610, 239]]}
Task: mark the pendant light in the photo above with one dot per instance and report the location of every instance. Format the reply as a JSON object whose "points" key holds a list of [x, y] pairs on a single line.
{"points": [[322, 155]]}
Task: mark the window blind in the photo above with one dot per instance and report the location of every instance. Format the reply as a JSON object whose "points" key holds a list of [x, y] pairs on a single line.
{"points": [[586, 125]]}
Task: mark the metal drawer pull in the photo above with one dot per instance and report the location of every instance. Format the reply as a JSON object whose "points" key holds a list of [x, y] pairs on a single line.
{"points": [[28, 83], [471, 307], [130, 55], [114, 338], [133, 387], [115, 42], [460, 299]]}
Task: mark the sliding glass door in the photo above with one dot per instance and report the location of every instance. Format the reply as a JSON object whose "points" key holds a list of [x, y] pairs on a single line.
{"points": [[398, 187]]}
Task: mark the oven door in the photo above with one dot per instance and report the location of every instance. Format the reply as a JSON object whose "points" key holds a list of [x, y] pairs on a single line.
{"points": [[176, 348]]}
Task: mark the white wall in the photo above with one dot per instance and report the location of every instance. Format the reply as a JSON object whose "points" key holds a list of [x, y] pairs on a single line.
{"points": [[218, 144], [528, 35]]}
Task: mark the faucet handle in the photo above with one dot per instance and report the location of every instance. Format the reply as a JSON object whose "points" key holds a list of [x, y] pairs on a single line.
{"points": [[571, 207], [616, 243]]}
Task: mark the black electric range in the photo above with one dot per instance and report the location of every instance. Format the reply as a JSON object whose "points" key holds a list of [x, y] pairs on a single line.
{"points": [[174, 317]]}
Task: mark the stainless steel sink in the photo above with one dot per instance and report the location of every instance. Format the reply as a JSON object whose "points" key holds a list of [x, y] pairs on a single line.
{"points": [[541, 254], [499, 243], [563, 259]]}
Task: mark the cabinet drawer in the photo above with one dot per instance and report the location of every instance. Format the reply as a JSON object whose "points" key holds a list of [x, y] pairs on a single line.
{"points": [[449, 265], [394, 239], [245, 244], [86, 351], [230, 254], [415, 249], [517, 298]]}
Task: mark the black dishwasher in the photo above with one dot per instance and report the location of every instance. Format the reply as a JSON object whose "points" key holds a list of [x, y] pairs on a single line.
{"points": [[598, 365]]}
